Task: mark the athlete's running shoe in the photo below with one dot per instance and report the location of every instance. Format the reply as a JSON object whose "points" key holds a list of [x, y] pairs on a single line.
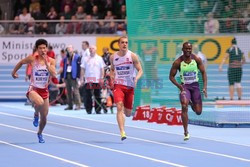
{"points": [[186, 137], [123, 136], [40, 138], [36, 121]]}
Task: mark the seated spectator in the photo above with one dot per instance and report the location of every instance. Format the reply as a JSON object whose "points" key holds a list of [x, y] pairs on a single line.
{"points": [[66, 12], [122, 13], [212, 25], [2, 29], [80, 15], [34, 5], [16, 27], [88, 26], [109, 15], [19, 5], [68, 3], [95, 13], [25, 16], [30, 26], [52, 15], [112, 28], [61, 26], [102, 28], [121, 29], [71, 27], [37, 14], [43, 28]]}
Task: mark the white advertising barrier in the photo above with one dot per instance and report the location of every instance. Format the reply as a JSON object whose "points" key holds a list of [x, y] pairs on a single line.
{"points": [[13, 49], [244, 44]]}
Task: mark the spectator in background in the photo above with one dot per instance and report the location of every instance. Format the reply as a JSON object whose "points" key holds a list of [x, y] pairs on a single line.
{"points": [[71, 75], [68, 3], [25, 16], [61, 26], [16, 27], [80, 14], [212, 25], [30, 26], [19, 5], [95, 13], [42, 28], [37, 14], [92, 73], [63, 97], [66, 12], [85, 50], [52, 15], [71, 27], [89, 27], [34, 5], [51, 53], [122, 13], [84, 53], [106, 56], [236, 60]]}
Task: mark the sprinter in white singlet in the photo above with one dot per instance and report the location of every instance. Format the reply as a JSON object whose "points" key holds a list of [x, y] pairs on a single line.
{"points": [[42, 68], [123, 66]]}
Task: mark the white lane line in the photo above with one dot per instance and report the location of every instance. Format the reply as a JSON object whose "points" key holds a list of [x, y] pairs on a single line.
{"points": [[96, 146], [149, 129], [131, 126], [42, 153], [140, 139]]}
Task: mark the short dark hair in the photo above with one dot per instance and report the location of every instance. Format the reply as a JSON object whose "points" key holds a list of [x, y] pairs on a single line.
{"points": [[86, 42], [41, 42], [234, 41]]}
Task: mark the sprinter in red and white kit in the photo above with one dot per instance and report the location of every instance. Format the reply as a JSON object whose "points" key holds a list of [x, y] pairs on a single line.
{"points": [[42, 68], [124, 64]]}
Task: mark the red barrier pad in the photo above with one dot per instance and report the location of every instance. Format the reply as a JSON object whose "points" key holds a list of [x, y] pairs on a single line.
{"points": [[142, 113]]}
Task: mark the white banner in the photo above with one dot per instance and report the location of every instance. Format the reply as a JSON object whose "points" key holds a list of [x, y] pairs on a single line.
{"points": [[244, 45], [13, 49]]}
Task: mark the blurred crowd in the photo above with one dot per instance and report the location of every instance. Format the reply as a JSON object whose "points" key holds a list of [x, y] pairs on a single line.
{"points": [[68, 17], [109, 17]]}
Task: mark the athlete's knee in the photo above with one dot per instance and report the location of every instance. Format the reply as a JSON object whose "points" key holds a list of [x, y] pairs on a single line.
{"points": [[184, 107], [39, 102], [237, 85], [119, 106], [127, 112]]}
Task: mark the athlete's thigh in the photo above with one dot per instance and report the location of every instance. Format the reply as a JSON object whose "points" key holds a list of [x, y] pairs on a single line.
{"points": [[185, 95], [35, 98], [129, 99], [118, 94], [196, 95]]}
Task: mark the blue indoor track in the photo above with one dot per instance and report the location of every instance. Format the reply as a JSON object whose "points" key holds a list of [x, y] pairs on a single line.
{"points": [[74, 138]]}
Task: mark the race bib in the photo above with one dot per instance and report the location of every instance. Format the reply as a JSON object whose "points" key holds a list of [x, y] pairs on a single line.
{"points": [[69, 68]]}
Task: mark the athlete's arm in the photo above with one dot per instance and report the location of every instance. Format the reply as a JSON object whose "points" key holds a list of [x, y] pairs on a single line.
{"points": [[172, 73], [26, 60], [203, 73], [51, 67], [223, 61], [112, 69], [137, 65]]}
